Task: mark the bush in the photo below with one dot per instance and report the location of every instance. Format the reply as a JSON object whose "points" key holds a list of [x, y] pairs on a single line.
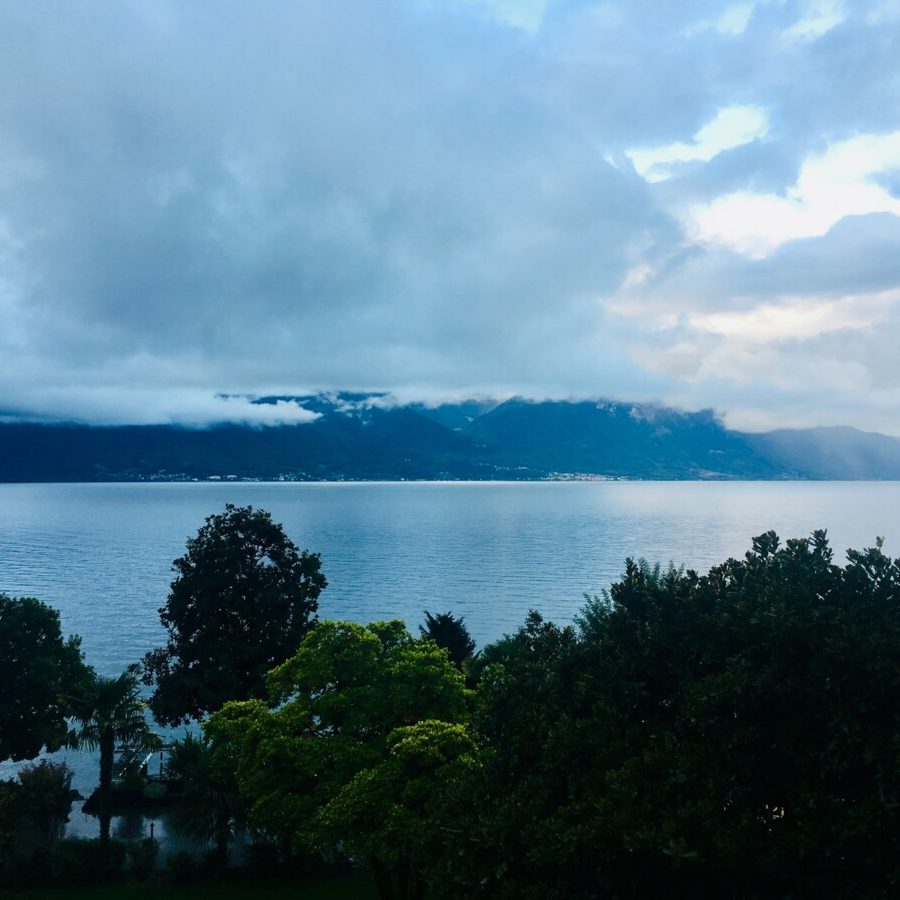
{"points": [[142, 858], [182, 866], [88, 861]]}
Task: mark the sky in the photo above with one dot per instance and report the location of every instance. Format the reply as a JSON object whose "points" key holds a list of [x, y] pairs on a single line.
{"points": [[694, 204]]}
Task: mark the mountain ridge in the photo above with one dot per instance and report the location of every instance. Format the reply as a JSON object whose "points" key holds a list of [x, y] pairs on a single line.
{"points": [[370, 436]]}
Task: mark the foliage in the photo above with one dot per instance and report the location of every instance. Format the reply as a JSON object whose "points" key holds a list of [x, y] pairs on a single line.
{"points": [[337, 701], [210, 806], [238, 886], [142, 856], [241, 602], [736, 733], [404, 813], [89, 861], [9, 815], [40, 673], [45, 797], [110, 711], [527, 695], [450, 633]]}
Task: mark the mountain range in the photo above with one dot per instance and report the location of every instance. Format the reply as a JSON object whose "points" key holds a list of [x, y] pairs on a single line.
{"points": [[369, 437]]}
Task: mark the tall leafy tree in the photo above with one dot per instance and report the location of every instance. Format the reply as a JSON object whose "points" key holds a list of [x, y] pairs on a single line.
{"points": [[527, 698], [40, 674], [334, 707], [243, 598], [406, 814]]}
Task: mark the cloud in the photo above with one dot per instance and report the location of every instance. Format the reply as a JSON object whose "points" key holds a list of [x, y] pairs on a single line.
{"points": [[843, 181], [818, 18], [445, 197], [193, 409], [799, 319], [732, 126], [526, 15], [732, 20]]}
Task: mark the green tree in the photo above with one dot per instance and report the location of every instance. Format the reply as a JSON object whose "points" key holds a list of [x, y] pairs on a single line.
{"points": [[735, 733], [110, 711], [334, 705], [210, 807], [9, 821], [40, 674], [406, 814], [527, 699], [451, 633], [243, 598], [45, 797]]}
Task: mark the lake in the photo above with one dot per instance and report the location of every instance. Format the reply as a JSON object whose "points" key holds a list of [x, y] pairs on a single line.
{"points": [[101, 553]]}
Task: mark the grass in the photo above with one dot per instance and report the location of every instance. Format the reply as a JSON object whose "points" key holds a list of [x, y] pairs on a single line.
{"points": [[336, 887]]}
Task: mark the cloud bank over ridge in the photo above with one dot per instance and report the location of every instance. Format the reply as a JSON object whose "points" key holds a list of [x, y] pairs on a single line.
{"points": [[695, 204]]}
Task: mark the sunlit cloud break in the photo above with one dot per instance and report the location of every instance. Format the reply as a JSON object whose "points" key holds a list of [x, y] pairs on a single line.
{"points": [[842, 181], [731, 127]]}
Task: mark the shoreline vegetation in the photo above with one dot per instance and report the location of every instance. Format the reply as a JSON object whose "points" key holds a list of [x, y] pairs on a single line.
{"points": [[734, 733]]}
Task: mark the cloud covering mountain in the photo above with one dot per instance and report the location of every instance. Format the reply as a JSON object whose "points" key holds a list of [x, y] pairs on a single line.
{"points": [[697, 204]]}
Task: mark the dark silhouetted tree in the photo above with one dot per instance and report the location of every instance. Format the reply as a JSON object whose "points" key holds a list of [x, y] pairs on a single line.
{"points": [[40, 675], [730, 734], [451, 633], [242, 601]]}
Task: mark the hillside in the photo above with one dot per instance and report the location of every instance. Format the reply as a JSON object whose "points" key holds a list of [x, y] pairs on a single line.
{"points": [[367, 437]]}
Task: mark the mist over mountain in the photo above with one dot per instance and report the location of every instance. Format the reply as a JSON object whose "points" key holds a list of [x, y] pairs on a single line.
{"points": [[370, 436]]}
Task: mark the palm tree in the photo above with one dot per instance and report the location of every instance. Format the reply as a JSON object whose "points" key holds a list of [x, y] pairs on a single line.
{"points": [[110, 712]]}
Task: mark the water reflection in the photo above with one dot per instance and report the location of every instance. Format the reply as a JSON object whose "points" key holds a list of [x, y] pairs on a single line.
{"points": [[131, 827]]}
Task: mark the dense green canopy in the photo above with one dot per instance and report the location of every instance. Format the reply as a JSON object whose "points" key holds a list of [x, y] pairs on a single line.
{"points": [[736, 733], [345, 715], [729, 734], [243, 598], [40, 674]]}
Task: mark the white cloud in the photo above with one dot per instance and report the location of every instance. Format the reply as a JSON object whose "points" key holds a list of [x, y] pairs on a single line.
{"points": [[837, 183], [819, 17], [731, 127], [797, 319], [124, 406], [732, 21], [524, 15]]}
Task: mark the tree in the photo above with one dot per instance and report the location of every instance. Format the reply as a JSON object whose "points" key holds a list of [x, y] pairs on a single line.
{"points": [[730, 734], [334, 707], [406, 814], [450, 633], [45, 797], [243, 598], [527, 697], [210, 806], [110, 711], [40, 674]]}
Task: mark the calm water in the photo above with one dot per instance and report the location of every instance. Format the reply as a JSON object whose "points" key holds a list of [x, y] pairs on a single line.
{"points": [[101, 553]]}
